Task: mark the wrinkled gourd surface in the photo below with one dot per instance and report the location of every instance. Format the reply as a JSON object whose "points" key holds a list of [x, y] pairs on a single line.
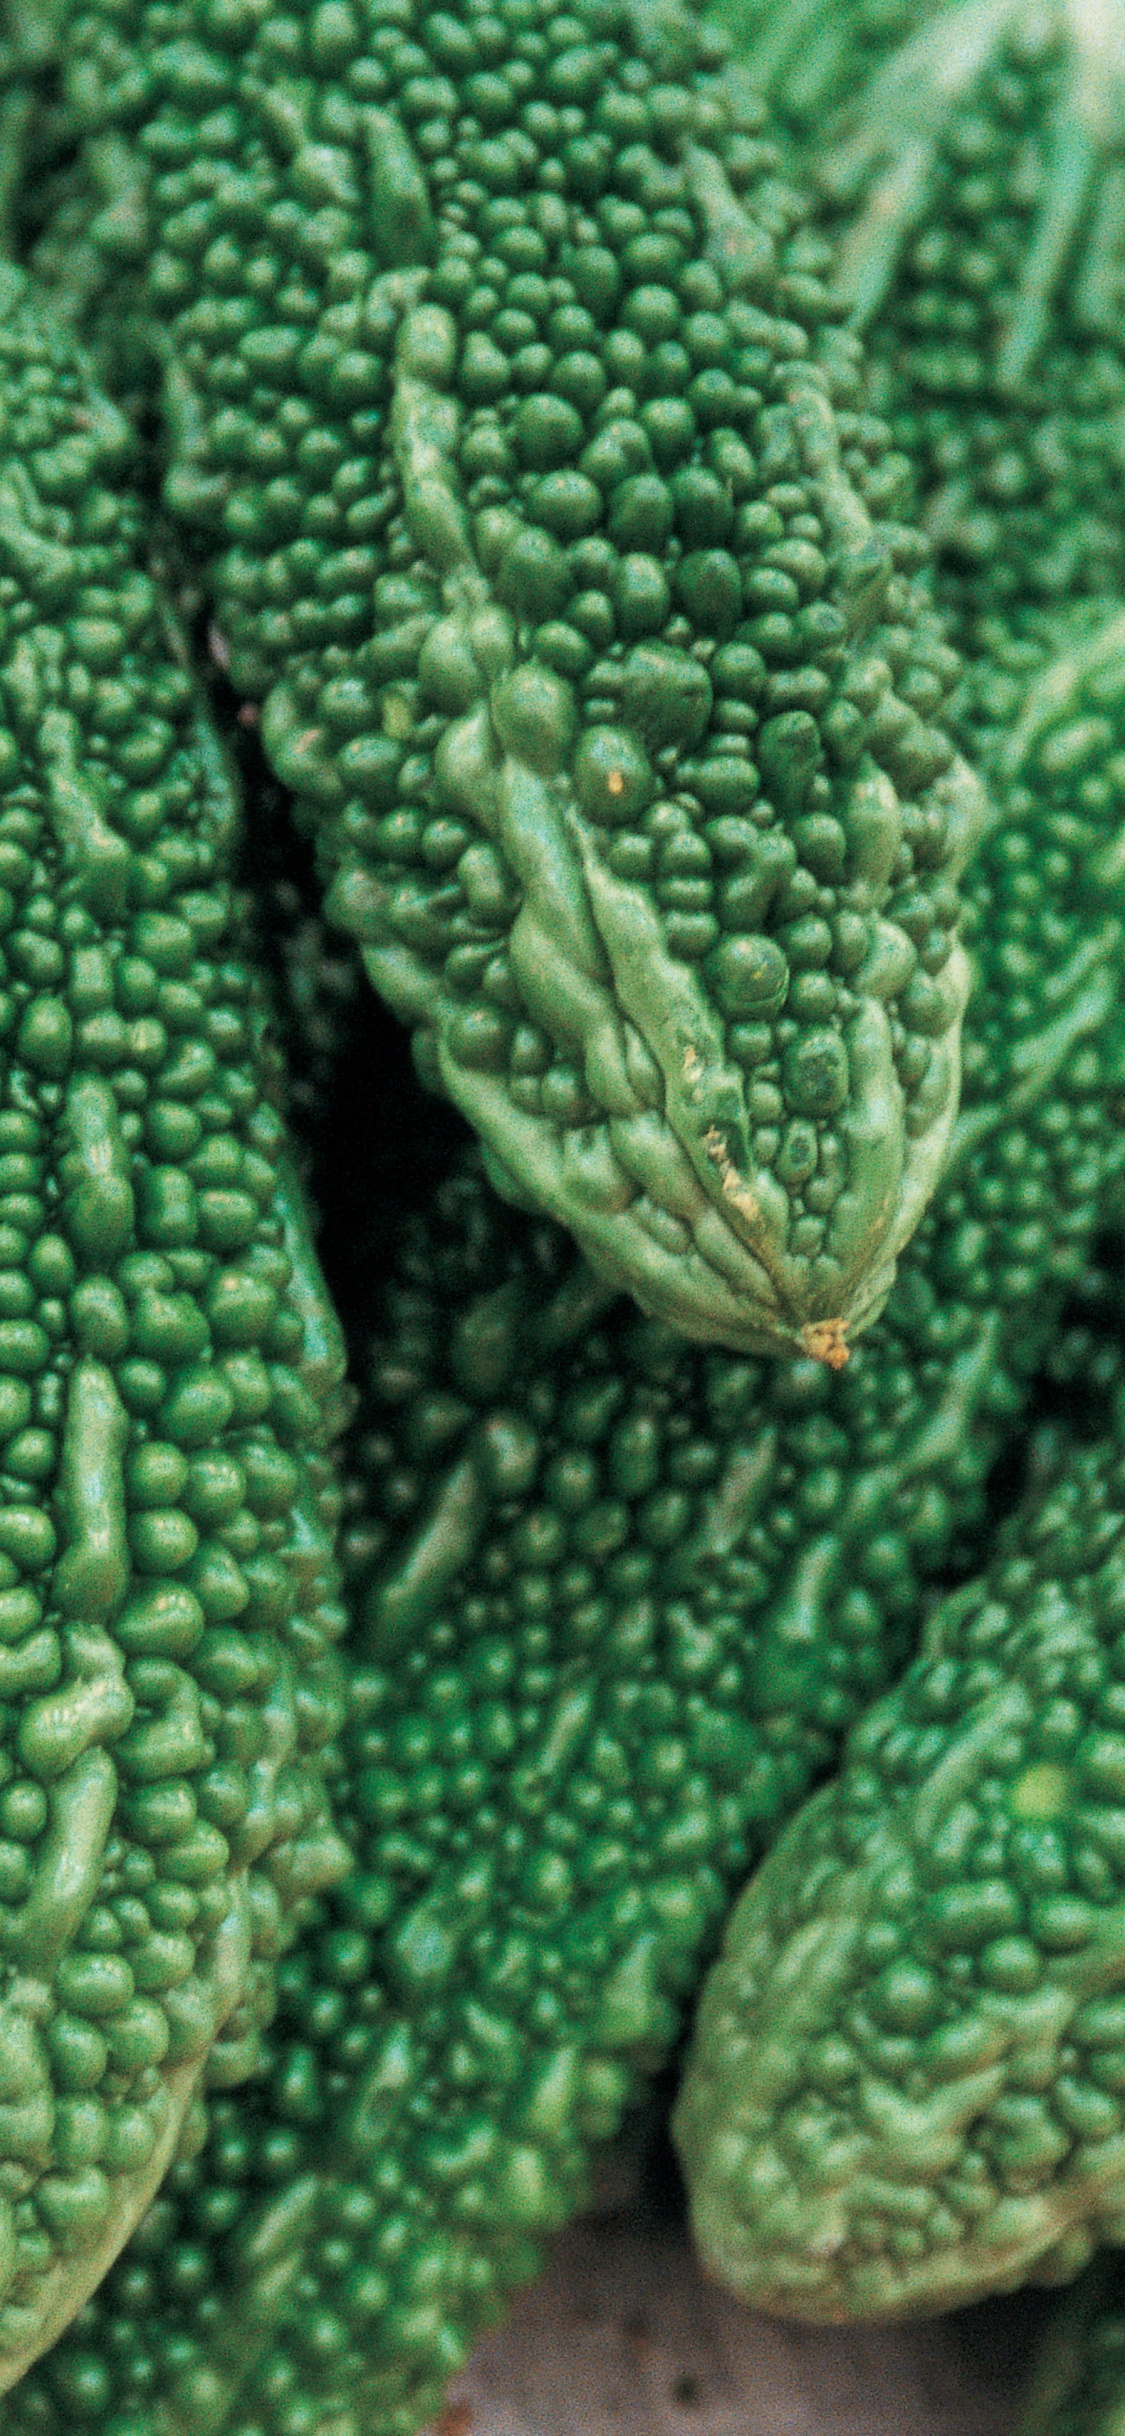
{"points": [[552, 532], [588, 1677], [167, 1359], [906, 2082], [973, 182], [810, 56]]}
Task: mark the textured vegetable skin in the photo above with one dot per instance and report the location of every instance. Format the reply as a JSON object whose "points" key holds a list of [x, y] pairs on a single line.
{"points": [[575, 1716], [615, 1604], [554, 537], [905, 2088], [167, 1363]]}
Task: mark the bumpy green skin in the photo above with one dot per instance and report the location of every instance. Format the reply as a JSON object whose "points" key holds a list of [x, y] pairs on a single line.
{"points": [[551, 531], [590, 1675], [27, 58], [616, 1601], [906, 2084], [973, 180], [167, 1359]]}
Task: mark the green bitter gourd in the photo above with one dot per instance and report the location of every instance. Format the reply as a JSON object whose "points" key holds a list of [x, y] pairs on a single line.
{"points": [[168, 1362], [552, 533]]}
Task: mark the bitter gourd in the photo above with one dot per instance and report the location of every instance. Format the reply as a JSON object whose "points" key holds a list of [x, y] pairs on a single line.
{"points": [[576, 1714], [274, 2308], [167, 1362], [552, 533], [906, 2084]]}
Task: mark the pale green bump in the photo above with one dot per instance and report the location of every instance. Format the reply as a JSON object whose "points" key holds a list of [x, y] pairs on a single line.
{"points": [[491, 636], [666, 695], [535, 716], [1042, 1791], [437, 521], [612, 776], [97, 1210], [427, 353], [199, 1407], [93, 1570], [171, 1743], [407, 1597], [466, 766], [45, 1039], [401, 220], [522, 2195], [630, 2009], [27, 2103], [447, 669], [297, 749], [323, 1359], [163, 1621], [425, 420], [48, 569]]}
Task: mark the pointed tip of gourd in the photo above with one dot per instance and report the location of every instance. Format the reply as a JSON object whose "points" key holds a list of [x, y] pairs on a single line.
{"points": [[826, 1341]]}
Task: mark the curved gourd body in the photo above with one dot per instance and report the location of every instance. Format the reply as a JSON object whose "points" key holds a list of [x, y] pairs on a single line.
{"points": [[550, 529], [167, 1361], [552, 533], [905, 2088]]}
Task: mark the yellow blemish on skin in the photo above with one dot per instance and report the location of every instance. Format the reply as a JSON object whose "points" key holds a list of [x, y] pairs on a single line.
{"points": [[615, 783], [1040, 1792], [823, 1340], [736, 1192], [735, 1189]]}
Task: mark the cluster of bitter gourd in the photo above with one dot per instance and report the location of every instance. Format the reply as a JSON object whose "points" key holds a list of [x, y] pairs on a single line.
{"points": [[505, 407], [614, 1602]]}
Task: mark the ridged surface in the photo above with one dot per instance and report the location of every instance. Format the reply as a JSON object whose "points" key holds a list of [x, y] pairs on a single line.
{"points": [[553, 533]]}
